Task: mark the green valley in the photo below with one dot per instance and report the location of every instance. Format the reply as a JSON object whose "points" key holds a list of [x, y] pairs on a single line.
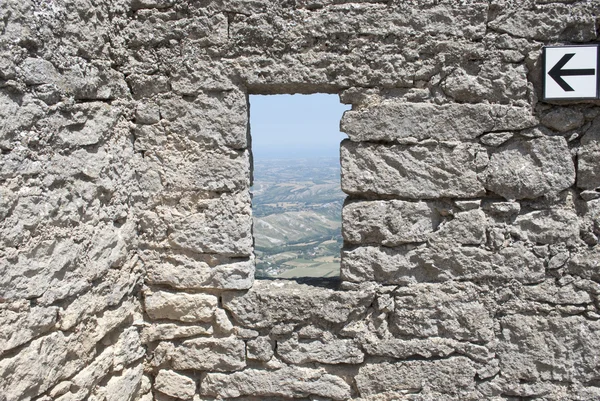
{"points": [[297, 217]]}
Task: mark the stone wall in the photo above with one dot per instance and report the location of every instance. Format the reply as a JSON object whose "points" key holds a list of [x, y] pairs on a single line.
{"points": [[470, 269]]}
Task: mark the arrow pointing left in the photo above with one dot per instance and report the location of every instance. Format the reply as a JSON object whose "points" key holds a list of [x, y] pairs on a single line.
{"points": [[557, 73]]}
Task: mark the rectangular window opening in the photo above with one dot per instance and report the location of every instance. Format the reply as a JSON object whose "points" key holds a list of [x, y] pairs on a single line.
{"points": [[296, 194]]}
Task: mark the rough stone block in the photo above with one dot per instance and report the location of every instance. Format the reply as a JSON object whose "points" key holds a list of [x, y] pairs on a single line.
{"points": [[175, 385], [529, 169], [562, 22], [270, 303], [180, 306], [212, 354], [259, 349], [221, 225], [170, 331], [186, 166], [588, 161], [409, 264], [445, 376], [452, 310], [391, 121], [414, 172], [211, 118], [550, 226], [561, 349], [465, 228], [388, 223], [327, 351], [291, 382], [22, 324], [194, 271]]}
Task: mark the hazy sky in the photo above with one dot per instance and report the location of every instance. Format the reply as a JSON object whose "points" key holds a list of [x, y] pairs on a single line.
{"points": [[296, 126]]}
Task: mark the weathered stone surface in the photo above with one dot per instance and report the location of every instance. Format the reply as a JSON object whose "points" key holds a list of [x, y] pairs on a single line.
{"points": [[415, 172], [213, 354], [180, 306], [412, 122], [50, 357], [453, 310], [291, 382], [548, 348], [409, 264], [259, 349], [529, 169], [219, 225], [446, 376], [566, 22], [185, 165], [549, 226], [211, 119], [191, 271], [466, 228], [388, 223], [170, 331], [588, 164], [327, 351], [563, 119], [175, 384], [22, 324], [270, 303]]}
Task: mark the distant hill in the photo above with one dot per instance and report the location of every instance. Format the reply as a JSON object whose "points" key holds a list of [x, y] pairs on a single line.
{"points": [[297, 207]]}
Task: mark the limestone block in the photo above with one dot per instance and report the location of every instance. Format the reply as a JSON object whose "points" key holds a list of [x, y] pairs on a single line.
{"points": [[447, 376], [95, 80], [563, 22], [221, 225], [466, 228], [404, 122], [588, 161], [37, 71], [426, 348], [17, 114], [559, 348], [487, 81], [586, 264], [170, 331], [128, 349], [563, 119], [84, 124], [175, 385], [270, 303], [211, 119], [180, 306], [50, 355], [184, 165], [82, 384], [212, 354], [259, 349], [388, 223], [22, 324], [125, 384], [193, 271], [326, 351], [292, 382], [549, 226], [529, 169], [409, 264], [450, 310], [415, 172]]}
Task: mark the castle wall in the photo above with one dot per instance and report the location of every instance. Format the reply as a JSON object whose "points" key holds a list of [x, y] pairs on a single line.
{"points": [[470, 268]]}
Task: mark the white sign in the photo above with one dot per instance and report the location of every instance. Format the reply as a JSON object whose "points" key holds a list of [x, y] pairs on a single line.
{"points": [[570, 72]]}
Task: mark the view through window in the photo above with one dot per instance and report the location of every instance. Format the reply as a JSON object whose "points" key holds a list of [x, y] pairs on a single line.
{"points": [[297, 199]]}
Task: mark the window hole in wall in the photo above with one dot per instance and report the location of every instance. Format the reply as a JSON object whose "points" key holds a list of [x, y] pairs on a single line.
{"points": [[296, 194]]}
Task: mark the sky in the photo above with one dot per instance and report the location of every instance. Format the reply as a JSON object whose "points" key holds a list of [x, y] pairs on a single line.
{"points": [[296, 126]]}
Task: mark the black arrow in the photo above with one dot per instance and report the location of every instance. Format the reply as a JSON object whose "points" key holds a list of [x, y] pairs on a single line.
{"points": [[557, 72]]}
